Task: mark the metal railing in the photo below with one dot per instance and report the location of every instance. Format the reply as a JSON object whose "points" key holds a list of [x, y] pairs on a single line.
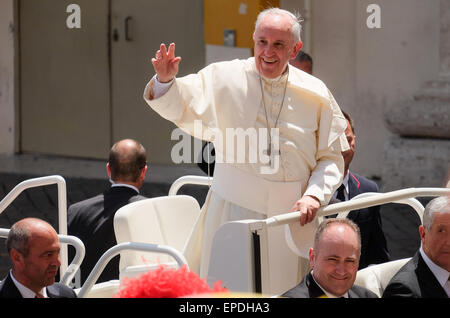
{"points": [[80, 252], [197, 180], [398, 196], [364, 200], [404, 196], [115, 250], [62, 206], [412, 202]]}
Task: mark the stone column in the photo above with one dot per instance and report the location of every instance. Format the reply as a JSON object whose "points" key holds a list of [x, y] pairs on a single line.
{"points": [[445, 37], [419, 154]]}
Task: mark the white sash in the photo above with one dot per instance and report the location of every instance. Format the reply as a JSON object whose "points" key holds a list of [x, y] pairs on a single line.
{"points": [[253, 192]]}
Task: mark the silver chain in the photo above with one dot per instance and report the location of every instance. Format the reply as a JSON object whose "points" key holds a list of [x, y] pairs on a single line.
{"points": [[265, 110]]}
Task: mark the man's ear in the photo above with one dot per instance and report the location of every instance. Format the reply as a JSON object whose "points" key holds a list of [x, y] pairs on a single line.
{"points": [[108, 170], [16, 257], [311, 257], [143, 172], [298, 46], [422, 233]]}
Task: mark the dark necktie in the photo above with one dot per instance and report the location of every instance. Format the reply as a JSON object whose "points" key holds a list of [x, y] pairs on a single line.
{"points": [[340, 193], [340, 196]]}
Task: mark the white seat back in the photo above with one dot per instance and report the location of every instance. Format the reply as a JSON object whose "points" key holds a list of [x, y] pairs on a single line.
{"points": [[377, 277], [164, 220]]}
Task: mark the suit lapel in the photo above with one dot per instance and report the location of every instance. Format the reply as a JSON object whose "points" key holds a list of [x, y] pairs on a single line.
{"points": [[8, 289], [314, 290], [352, 294], [429, 285], [353, 185], [50, 292], [353, 191]]}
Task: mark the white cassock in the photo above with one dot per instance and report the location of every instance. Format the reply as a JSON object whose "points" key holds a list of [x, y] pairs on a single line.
{"points": [[311, 137]]}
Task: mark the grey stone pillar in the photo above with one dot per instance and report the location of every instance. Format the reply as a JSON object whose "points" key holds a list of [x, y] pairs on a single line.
{"points": [[419, 154], [445, 37]]}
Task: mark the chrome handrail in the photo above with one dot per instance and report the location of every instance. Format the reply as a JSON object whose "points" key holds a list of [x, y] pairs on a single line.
{"points": [[412, 202], [74, 266], [115, 250], [62, 205], [360, 203], [190, 179]]}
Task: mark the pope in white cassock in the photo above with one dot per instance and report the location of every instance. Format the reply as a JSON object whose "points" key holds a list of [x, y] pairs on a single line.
{"points": [[302, 164]]}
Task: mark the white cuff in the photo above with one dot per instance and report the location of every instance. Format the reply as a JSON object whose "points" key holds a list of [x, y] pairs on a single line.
{"points": [[161, 88]]}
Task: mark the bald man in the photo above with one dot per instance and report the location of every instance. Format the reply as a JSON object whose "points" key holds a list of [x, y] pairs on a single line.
{"points": [[33, 247], [91, 220], [334, 260]]}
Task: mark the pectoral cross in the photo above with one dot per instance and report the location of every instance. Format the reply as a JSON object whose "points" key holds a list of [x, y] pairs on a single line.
{"points": [[268, 152]]}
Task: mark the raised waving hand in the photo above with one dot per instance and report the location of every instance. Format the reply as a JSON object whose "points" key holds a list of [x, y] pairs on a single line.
{"points": [[165, 63]]}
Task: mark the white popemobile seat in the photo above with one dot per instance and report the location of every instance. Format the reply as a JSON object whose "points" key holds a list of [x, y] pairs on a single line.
{"points": [[377, 277], [166, 220]]}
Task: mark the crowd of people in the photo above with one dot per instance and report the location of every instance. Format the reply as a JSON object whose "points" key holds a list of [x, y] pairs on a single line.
{"points": [[33, 247], [309, 146]]}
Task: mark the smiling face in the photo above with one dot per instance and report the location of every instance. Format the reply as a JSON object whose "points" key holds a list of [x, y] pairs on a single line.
{"points": [[336, 258], [274, 44]]}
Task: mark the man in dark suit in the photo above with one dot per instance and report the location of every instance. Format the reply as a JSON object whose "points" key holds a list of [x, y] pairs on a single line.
{"points": [[427, 274], [33, 247], [334, 260], [374, 248], [91, 220], [303, 61]]}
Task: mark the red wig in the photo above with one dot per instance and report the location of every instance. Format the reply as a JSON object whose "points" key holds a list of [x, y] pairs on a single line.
{"points": [[166, 282]]}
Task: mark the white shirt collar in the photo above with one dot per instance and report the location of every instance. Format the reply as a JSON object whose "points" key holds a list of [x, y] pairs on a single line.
{"points": [[25, 291], [345, 181], [441, 274], [345, 184], [113, 184], [276, 79], [329, 295]]}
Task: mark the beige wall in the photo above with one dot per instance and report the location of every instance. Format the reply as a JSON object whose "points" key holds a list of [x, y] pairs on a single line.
{"points": [[302, 7], [80, 92], [7, 77], [370, 70], [391, 64], [131, 68]]}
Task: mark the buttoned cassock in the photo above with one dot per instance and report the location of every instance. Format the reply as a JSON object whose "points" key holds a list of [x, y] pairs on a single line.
{"points": [[311, 137]]}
